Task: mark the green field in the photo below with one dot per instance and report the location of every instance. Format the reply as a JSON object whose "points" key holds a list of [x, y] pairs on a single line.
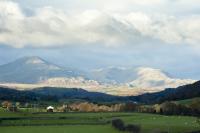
{"points": [[187, 101], [91, 122], [60, 129]]}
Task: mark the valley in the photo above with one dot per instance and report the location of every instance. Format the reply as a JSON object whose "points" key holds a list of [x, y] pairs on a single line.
{"points": [[99, 66]]}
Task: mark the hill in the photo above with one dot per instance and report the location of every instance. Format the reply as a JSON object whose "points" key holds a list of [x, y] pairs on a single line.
{"points": [[171, 94], [55, 94]]}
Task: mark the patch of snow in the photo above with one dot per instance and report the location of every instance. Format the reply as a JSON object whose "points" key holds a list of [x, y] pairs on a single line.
{"points": [[155, 78], [34, 61]]}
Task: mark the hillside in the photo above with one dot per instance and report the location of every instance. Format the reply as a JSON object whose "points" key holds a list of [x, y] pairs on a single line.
{"points": [[171, 94], [188, 101], [55, 94]]}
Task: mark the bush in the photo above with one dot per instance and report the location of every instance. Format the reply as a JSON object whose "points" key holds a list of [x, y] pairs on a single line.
{"points": [[133, 128], [118, 124]]}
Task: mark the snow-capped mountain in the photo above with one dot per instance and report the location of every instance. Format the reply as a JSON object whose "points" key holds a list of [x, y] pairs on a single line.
{"points": [[73, 82], [32, 70], [136, 80], [114, 75], [156, 79]]}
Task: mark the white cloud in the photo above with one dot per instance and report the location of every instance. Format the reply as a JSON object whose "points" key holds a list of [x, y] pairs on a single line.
{"points": [[49, 27]]}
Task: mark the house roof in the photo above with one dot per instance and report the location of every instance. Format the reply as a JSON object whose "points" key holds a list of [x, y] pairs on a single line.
{"points": [[50, 107]]}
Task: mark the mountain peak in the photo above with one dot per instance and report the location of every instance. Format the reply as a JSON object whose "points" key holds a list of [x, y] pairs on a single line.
{"points": [[32, 69], [37, 61], [157, 79], [32, 60], [151, 73]]}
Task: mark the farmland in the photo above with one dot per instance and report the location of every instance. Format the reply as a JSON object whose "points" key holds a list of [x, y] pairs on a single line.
{"points": [[26, 122]]}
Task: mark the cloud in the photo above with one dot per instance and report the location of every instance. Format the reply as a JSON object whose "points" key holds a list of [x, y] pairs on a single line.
{"points": [[167, 6], [51, 27]]}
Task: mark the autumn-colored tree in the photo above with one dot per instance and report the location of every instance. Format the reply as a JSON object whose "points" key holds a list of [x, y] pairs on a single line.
{"points": [[169, 108], [130, 107], [6, 104], [85, 107]]}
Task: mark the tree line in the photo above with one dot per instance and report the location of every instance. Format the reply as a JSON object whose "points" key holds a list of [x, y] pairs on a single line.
{"points": [[165, 108]]}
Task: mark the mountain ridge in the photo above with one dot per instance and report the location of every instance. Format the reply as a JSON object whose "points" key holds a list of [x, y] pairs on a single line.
{"points": [[32, 69], [33, 72]]}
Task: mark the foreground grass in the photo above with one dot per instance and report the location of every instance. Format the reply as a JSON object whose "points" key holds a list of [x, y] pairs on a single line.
{"points": [[60, 129], [154, 123], [91, 122]]}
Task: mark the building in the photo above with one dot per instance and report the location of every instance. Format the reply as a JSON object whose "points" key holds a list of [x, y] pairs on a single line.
{"points": [[50, 109]]}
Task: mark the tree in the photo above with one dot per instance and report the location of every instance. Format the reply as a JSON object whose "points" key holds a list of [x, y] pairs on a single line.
{"points": [[130, 107], [133, 128], [195, 106], [6, 104], [118, 124], [18, 104], [169, 108], [85, 107]]}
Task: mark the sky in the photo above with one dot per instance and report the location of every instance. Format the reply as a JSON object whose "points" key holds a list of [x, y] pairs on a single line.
{"points": [[89, 34]]}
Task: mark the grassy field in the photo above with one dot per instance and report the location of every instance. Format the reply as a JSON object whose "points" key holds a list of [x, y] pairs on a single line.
{"points": [[60, 129], [91, 122], [187, 101]]}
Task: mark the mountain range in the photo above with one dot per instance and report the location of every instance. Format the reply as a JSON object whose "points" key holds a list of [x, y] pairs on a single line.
{"points": [[33, 72], [53, 94]]}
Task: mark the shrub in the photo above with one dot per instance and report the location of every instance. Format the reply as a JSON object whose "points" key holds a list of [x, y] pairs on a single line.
{"points": [[133, 128], [118, 124]]}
